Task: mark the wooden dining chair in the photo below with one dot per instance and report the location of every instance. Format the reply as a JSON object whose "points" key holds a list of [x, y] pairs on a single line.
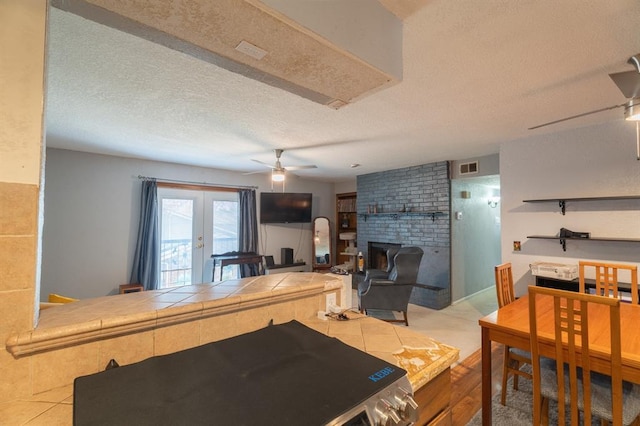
{"points": [[514, 359], [593, 394], [606, 276]]}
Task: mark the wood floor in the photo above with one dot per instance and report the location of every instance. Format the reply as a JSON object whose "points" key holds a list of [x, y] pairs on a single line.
{"points": [[466, 384]]}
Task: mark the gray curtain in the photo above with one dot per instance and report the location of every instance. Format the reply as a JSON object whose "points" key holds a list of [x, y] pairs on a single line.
{"points": [[146, 259], [248, 229]]}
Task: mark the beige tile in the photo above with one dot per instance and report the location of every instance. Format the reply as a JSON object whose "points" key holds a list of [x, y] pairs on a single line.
{"points": [[218, 327], [353, 340], [422, 341], [307, 307], [179, 312], [20, 209], [133, 321], [220, 305], [17, 262], [171, 297], [126, 349], [59, 368], [316, 324], [386, 356], [176, 337], [200, 297], [283, 312], [344, 327], [377, 327], [58, 415], [187, 289], [216, 292], [56, 395], [16, 311], [250, 298], [384, 343], [21, 412], [152, 305], [253, 319], [15, 377]]}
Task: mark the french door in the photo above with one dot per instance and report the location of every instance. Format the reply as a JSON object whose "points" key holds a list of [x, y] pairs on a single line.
{"points": [[193, 226]]}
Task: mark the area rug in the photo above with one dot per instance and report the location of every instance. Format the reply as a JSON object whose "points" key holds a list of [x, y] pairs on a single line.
{"points": [[519, 407]]}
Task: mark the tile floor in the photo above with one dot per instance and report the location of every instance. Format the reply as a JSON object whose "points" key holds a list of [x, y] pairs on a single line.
{"points": [[455, 325]]}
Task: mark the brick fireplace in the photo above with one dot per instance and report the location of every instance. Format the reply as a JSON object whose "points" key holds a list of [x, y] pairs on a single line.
{"points": [[402, 199]]}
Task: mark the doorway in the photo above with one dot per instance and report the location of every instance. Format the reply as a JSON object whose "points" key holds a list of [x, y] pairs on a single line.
{"points": [[475, 234], [193, 226]]}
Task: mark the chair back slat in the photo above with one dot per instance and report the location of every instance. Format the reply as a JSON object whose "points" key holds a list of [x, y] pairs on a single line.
{"points": [[504, 284], [572, 353], [606, 276]]}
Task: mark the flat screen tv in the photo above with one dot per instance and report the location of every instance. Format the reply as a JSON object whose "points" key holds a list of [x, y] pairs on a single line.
{"points": [[285, 207]]}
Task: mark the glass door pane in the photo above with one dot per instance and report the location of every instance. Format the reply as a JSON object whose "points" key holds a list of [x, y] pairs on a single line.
{"points": [[176, 244], [221, 230], [193, 226]]}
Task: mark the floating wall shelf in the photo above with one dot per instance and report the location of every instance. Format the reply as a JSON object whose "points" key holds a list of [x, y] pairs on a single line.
{"points": [[563, 201], [563, 240], [396, 215]]}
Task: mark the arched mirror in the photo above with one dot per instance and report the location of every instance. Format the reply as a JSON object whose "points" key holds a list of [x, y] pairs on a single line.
{"points": [[321, 243]]}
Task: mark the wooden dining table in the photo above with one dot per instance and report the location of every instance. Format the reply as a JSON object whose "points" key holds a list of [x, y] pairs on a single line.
{"points": [[509, 325]]}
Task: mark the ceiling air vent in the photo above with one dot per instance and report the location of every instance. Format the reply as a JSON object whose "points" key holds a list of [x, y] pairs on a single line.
{"points": [[469, 168]]}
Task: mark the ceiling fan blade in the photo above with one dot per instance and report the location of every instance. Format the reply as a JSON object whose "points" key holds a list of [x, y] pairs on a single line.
{"points": [[301, 167], [256, 172], [264, 164], [628, 82], [577, 116]]}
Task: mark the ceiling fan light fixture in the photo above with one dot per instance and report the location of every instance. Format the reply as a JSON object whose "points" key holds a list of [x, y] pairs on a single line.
{"points": [[277, 176], [632, 111], [635, 61]]}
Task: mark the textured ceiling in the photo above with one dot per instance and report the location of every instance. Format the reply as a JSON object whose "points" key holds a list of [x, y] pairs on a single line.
{"points": [[475, 75]]}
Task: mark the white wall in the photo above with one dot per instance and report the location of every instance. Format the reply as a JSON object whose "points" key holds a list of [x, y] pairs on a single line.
{"points": [[346, 186], [91, 217], [588, 162]]}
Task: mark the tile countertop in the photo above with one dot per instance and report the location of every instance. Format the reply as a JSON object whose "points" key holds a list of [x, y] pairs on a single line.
{"points": [[88, 319], [422, 357]]}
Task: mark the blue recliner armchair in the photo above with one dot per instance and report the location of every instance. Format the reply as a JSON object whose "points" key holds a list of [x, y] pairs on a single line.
{"points": [[392, 293], [383, 274]]}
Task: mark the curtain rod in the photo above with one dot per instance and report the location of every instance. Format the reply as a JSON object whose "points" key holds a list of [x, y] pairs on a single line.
{"points": [[222, 185]]}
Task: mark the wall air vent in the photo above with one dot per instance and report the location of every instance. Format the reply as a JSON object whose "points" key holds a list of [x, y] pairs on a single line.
{"points": [[469, 168]]}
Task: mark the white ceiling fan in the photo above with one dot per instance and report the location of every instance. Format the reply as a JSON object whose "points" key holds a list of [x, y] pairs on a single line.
{"points": [[629, 84], [278, 170]]}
